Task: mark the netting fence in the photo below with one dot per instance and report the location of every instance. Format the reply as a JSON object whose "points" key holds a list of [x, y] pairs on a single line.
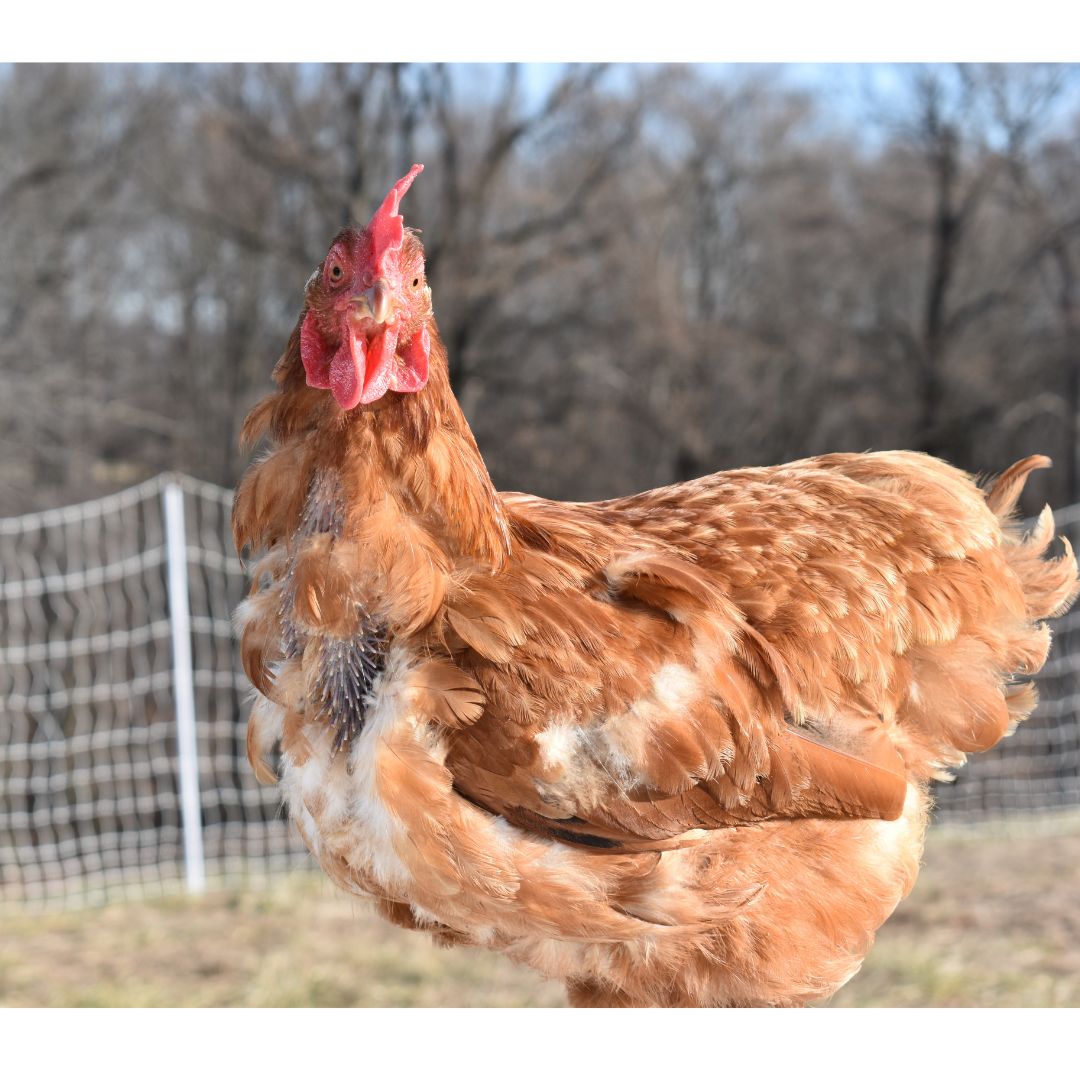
{"points": [[122, 764], [123, 709]]}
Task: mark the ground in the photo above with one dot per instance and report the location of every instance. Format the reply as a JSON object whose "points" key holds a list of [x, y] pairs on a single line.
{"points": [[994, 920]]}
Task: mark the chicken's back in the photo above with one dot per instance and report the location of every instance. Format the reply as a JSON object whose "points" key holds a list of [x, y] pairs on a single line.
{"points": [[890, 579]]}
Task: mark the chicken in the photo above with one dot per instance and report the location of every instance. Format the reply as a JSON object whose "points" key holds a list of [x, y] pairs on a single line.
{"points": [[673, 749]]}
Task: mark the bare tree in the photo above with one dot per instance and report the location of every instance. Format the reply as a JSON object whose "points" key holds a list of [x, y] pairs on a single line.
{"points": [[952, 137], [641, 275]]}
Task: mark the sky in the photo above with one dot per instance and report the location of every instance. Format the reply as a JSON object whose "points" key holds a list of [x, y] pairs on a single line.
{"points": [[847, 89]]}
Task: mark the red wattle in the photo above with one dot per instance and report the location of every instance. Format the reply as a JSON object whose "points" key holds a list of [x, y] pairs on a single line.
{"points": [[314, 354], [347, 371], [414, 375], [381, 364], [359, 371]]}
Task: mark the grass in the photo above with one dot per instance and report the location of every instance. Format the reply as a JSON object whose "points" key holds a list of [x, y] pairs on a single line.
{"points": [[994, 920]]}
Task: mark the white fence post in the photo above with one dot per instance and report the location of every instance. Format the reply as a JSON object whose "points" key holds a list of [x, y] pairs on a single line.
{"points": [[184, 686]]}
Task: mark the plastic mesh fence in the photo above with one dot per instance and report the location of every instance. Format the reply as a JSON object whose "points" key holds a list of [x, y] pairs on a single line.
{"points": [[89, 772]]}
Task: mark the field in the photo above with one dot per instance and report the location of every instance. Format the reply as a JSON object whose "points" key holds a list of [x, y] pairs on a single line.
{"points": [[994, 920]]}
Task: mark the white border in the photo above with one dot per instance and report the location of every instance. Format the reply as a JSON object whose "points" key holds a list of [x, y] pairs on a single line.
{"points": [[544, 30]]}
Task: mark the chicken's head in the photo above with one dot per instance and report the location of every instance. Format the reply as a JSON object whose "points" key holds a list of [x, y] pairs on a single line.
{"points": [[364, 330]]}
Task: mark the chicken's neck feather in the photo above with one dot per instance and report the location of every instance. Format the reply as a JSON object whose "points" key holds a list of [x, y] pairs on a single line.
{"points": [[412, 452], [430, 465]]}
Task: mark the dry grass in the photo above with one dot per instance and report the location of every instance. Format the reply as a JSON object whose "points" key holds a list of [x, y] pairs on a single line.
{"points": [[993, 921]]}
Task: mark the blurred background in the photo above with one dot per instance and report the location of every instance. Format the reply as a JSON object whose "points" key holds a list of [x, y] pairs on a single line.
{"points": [[642, 274]]}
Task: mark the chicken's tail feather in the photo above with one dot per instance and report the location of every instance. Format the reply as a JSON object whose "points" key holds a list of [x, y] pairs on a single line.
{"points": [[1004, 492], [1049, 585], [961, 700]]}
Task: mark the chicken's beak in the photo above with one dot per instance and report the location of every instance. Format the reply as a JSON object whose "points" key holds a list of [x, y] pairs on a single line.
{"points": [[375, 302]]}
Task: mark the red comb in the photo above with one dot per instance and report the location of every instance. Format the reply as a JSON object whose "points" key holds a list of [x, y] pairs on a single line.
{"points": [[387, 227]]}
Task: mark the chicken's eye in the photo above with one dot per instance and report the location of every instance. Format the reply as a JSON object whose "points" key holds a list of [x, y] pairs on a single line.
{"points": [[415, 282], [336, 272]]}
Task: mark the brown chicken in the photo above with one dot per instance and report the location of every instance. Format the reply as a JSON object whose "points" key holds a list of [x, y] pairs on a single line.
{"points": [[674, 748]]}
